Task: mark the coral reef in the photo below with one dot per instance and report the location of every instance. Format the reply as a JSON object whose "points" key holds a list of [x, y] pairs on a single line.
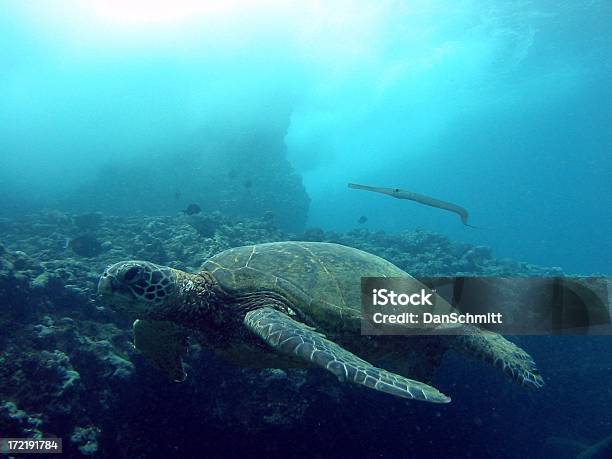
{"points": [[86, 438], [17, 423], [423, 253], [67, 364]]}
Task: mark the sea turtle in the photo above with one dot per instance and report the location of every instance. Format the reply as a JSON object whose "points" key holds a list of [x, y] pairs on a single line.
{"points": [[290, 304]]}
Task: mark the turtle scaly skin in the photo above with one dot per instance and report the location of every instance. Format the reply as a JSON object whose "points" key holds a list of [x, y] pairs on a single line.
{"points": [[291, 304]]}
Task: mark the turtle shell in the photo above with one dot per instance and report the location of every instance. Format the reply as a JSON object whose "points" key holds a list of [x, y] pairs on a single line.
{"points": [[321, 280]]}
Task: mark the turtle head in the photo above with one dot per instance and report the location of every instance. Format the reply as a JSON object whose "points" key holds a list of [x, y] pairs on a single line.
{"points": [[137, 287]]}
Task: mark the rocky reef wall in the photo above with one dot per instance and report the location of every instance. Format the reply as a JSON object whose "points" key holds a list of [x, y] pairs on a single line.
{"points": [[245, 175], [68, 368]]}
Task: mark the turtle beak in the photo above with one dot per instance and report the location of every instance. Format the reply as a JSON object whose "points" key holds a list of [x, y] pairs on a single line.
{"points": [[105, 285], [112, 290]]}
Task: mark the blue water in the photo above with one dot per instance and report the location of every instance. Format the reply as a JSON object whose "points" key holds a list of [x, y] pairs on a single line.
{"points": [[502, 107]]}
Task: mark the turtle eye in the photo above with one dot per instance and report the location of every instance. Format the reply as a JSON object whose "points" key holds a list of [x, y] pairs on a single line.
{"points": [[132, 275]]}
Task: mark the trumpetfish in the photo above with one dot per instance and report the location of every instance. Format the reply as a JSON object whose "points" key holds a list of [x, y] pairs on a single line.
{"points": [[420, 198]]}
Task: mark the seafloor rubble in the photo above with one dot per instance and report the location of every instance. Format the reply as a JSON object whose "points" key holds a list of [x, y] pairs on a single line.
{"points": [[67, 366]]}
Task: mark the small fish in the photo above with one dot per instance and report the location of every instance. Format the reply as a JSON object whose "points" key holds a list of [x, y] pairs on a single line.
{"points": [[247, 183], [192, 209], [363, 219]]}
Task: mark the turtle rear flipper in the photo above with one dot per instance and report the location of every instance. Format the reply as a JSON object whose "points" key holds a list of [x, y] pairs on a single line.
{"points": [[164, 344], [501, 353], [294, 338]]}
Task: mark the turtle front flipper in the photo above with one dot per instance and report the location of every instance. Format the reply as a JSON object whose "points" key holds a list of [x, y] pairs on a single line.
{"points": [[294, 338], [501, 353], [164, 344]]}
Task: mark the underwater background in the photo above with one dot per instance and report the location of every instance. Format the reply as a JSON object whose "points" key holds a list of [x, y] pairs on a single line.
{"points": [[116, 116]]}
